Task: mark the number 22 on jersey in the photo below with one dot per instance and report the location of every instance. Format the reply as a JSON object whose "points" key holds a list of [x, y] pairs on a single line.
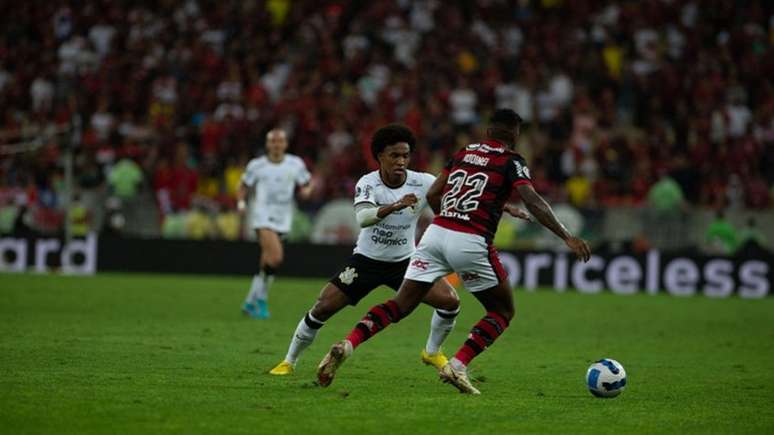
{"points": [[455, 202]]}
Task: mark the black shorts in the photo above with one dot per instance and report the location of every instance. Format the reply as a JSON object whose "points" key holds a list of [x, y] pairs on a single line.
{"points": [[361, 275]]}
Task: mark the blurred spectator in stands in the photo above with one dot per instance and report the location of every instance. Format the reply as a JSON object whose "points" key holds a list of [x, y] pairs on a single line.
{"points": [[232, 175], [163, 185], [125, 178], [8, 214], [101, 35], [184, 179], [752, 234], [737, 115], [174, 226], [198, 225], [228, 225], [721, 236], [102, 120], [578, 190], [463, 101], [666, 195], [209, 184], [42, 93], [80, 219], [757, 192], [614, 94]]}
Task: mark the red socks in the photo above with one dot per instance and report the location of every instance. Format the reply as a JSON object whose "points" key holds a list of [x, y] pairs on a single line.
{"points": [[483, 334], [377, 318]]}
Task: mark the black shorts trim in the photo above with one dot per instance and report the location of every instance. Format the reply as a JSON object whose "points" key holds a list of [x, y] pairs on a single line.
{"points": [[360, 275]]}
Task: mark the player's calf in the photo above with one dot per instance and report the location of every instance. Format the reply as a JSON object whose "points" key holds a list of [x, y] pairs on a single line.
{"points": [[444, 299], [375, 320], [483, 335]]}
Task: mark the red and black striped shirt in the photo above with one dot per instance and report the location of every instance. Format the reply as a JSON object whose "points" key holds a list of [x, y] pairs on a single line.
{"points": [[480, 180]]}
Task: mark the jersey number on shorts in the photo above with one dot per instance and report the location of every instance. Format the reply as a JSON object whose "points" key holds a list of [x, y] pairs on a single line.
{"points": [[466, 202]]}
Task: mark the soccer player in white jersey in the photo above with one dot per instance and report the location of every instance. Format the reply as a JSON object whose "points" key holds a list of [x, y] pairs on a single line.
{"points": [[272, 179], [469, 197], [388, 203]]}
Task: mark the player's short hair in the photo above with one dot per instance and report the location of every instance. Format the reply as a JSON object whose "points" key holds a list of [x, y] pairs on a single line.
{"points": [[505, 118], [390, 135]]}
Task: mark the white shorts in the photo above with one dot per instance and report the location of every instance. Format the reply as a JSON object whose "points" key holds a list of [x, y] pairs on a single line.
{"points": [[280, 225], [443, 251]]}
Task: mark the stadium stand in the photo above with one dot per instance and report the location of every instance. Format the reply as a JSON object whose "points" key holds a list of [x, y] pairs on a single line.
{"points": [[627, 103]]}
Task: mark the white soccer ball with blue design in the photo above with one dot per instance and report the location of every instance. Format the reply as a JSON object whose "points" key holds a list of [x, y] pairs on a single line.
{"points": [[606, 378]]}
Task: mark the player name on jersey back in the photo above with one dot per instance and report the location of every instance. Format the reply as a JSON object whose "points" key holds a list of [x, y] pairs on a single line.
{"points": [[480, 180], [392, 238], [475, 160]]}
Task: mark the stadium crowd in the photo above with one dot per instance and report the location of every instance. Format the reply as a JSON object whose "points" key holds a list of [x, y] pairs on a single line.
{"points": [[622, 99]]}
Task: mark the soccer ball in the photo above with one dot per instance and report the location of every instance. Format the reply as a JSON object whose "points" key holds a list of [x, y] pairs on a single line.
{"points": [[606, 378]]}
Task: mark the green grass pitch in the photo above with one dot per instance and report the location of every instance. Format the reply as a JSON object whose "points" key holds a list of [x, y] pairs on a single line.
{"points": [[162, 354]]}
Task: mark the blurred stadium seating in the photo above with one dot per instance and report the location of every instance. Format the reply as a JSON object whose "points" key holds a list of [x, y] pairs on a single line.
{"points": [[645, 118]]}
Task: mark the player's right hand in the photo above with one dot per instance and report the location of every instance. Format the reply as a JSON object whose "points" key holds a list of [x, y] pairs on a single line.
{"points": [[407, 201], [241, 206], [579, 247]]}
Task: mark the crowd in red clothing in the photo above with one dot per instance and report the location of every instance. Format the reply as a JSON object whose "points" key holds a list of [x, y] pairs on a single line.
{"points": [[616, 94]]}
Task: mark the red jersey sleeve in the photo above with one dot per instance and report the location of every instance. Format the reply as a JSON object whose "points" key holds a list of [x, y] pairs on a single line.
{"points": [[518, 172]]}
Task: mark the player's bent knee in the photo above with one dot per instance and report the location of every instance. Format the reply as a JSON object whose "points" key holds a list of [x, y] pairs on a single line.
{"points": [[453, 300], [450, 302], [322, 311], [279, 257], [330, 301], [508, 313], [274, 261]]}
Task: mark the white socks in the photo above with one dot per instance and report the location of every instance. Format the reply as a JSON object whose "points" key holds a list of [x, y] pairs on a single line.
{"points": [[305, 333], [440, 327], [268, 280], [259, 289], [255, 287]]}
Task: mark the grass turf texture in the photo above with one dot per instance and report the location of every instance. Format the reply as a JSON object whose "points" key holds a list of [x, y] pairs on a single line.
{"points": [[171, 354]]}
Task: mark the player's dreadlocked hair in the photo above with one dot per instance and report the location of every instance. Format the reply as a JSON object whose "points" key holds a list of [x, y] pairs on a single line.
{"points": [[390, 135]]}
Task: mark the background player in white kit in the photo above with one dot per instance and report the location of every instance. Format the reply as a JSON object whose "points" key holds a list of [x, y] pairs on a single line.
{"points": [[272, 179], [388, 203]]}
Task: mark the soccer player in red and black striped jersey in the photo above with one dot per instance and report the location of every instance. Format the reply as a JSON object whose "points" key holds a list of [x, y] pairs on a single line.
{"points": [[468, 198]]}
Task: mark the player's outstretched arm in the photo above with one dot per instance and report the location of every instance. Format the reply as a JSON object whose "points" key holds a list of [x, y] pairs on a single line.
{"points": [[435, 192], [368, 214], [543, 213], [517, 212]]}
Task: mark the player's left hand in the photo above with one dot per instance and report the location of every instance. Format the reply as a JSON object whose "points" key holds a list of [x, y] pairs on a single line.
{"points": [[518, 213], [407, 200], [579, 247], [305, 192]]}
